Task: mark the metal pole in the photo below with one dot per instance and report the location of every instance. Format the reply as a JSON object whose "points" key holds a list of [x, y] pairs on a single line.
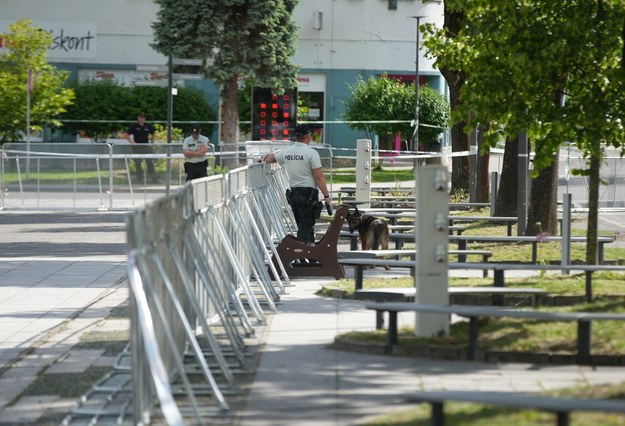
{"points": [[523, 163], [170, 111], [415, 137], [29, 78], [493, 191], [566, 231], [473, 153]]}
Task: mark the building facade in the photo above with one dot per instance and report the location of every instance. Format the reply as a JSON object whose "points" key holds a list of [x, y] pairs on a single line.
{"points": [[339, 41]]}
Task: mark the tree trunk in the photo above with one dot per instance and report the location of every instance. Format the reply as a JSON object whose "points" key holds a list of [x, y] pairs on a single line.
{"points": [[230, 120], [593, 210], [453, 21], [506, 204], [542, 215]]}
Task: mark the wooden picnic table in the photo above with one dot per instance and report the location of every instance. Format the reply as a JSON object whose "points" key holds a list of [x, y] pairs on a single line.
{"points": [[463, 241], [508, 220], [474, 313], [498, 269]]}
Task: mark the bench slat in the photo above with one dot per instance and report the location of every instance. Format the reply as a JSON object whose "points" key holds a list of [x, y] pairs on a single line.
{"points": [[520, 400]]}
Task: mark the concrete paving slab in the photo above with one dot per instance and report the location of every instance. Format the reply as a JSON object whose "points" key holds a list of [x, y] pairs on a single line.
{"points": [[75, 361], [28, 409]]}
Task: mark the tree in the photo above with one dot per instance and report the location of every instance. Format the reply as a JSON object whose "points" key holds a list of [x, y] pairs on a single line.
{"points": [[237, 39], [101, 108], [385, 106], [453, 22], [555, 68], [27, 47]]}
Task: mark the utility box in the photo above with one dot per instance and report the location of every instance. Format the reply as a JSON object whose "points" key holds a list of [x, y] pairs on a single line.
{"points": [[363, 173], [431, 224]]}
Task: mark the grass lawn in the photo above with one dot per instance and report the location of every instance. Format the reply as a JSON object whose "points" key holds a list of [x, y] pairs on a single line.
{"points": [[377, 175]]}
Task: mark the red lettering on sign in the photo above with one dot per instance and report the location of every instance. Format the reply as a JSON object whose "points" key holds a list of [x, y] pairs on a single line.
{"points": [[104, 75]]}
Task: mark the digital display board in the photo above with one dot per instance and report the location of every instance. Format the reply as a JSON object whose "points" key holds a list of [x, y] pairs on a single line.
{"points": [[274, 117]]}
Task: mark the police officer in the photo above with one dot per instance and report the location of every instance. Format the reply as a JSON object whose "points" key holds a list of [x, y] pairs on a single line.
{"points": [[140, 134], [194, 149], [306, 179]]}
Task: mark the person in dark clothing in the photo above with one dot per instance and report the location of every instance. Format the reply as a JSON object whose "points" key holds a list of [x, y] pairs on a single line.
{"points": [[140, 135]]}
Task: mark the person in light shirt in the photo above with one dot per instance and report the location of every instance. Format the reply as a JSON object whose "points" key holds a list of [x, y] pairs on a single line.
{"points": [[306, 179], [194, 149]]}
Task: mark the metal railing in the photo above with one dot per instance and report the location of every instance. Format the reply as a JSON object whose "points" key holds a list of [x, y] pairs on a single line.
{"points": [[198, 275], [100, 176], [92, 176]]}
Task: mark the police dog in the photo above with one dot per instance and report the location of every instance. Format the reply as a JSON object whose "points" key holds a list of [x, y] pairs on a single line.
{"points": [[373, 231]]}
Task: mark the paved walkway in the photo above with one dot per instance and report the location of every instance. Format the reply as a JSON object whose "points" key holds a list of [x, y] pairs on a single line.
{"points": [[62, 275], [308, 383]]}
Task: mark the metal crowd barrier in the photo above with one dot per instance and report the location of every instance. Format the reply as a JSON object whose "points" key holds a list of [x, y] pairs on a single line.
{"points": [[87, 175], [198, 275], [199, 283]]}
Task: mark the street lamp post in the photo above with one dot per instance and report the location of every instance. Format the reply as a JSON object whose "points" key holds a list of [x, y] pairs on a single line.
{"points": [[415, 136]]}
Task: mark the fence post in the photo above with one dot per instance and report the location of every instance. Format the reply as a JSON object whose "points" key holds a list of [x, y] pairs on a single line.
{"points": [[363, 173], [494, 176], [566, 231]]}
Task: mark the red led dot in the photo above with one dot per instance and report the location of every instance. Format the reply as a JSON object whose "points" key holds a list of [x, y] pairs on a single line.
{"points": [[263, 105], [286, 115], [274, 106], [263, 131], [286, 106], [285, 132]]}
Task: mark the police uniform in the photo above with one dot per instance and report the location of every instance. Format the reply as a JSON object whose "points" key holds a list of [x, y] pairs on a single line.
{"points": [[195, 167], [299, 160]]}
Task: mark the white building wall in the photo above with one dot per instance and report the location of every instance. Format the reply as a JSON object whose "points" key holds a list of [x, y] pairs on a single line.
{"points": [[124, 29], [355, 34], [362, 34]]}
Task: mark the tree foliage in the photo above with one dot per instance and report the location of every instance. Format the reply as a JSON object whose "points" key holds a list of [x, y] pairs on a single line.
{"points": [[552, 67], [103, 107], [386, 106], [26, 50], [237, 39]]}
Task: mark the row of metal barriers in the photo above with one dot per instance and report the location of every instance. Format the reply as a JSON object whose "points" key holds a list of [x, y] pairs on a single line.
{"points": [[201, 279]]}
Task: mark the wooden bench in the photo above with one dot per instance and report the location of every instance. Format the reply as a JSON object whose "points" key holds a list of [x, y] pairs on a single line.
{"points": [[508, 220], [498, 269], [474, 313], [399, 253], [398, 237], [463, 241], [561, 407], [362, 259], [323, 253], [408, 294]]}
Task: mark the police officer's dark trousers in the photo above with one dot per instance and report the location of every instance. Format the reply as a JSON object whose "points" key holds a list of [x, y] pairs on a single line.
{"points": [[302, 201]]}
